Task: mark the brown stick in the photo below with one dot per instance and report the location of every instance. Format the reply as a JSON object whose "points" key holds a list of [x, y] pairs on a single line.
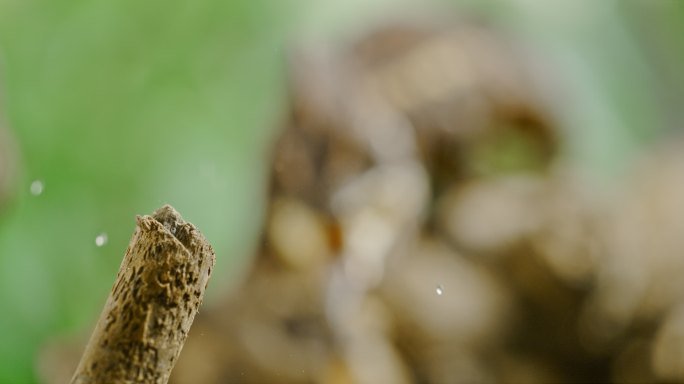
{"points": [[155, 297]]}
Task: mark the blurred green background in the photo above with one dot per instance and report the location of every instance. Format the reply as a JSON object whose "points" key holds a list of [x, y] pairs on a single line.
{"points": [[120, 107]]}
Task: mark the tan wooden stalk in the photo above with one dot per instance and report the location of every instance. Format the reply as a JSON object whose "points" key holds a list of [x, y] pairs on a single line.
{"points": [[148, 314]]}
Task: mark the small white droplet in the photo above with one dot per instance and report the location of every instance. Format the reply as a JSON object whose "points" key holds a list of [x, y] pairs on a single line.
{"points": [[101, 239], [37, 187], [439, 290]]}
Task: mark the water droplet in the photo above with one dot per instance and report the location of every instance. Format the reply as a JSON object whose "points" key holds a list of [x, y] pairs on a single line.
{"points": [[101, 239], [439, 290], [37, 187]]}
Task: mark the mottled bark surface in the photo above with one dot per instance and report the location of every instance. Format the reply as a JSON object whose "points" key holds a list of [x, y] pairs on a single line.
{"points": [[155, 297]]}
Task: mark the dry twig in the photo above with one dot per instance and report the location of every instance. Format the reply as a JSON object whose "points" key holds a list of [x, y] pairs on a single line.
{"points": [[155, 297]]}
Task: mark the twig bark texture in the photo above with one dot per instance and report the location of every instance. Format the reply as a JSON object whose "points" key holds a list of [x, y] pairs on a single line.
{"points": [[157, 292]]}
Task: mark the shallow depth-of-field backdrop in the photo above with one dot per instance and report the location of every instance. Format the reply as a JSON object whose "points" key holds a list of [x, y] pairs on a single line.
{"points": [[117, 107]]}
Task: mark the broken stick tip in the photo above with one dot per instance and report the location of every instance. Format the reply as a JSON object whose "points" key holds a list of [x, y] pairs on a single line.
{"points": [[154, 299]]}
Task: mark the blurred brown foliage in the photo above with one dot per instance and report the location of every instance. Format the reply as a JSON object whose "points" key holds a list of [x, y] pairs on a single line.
{"points": [[420, 228]]}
